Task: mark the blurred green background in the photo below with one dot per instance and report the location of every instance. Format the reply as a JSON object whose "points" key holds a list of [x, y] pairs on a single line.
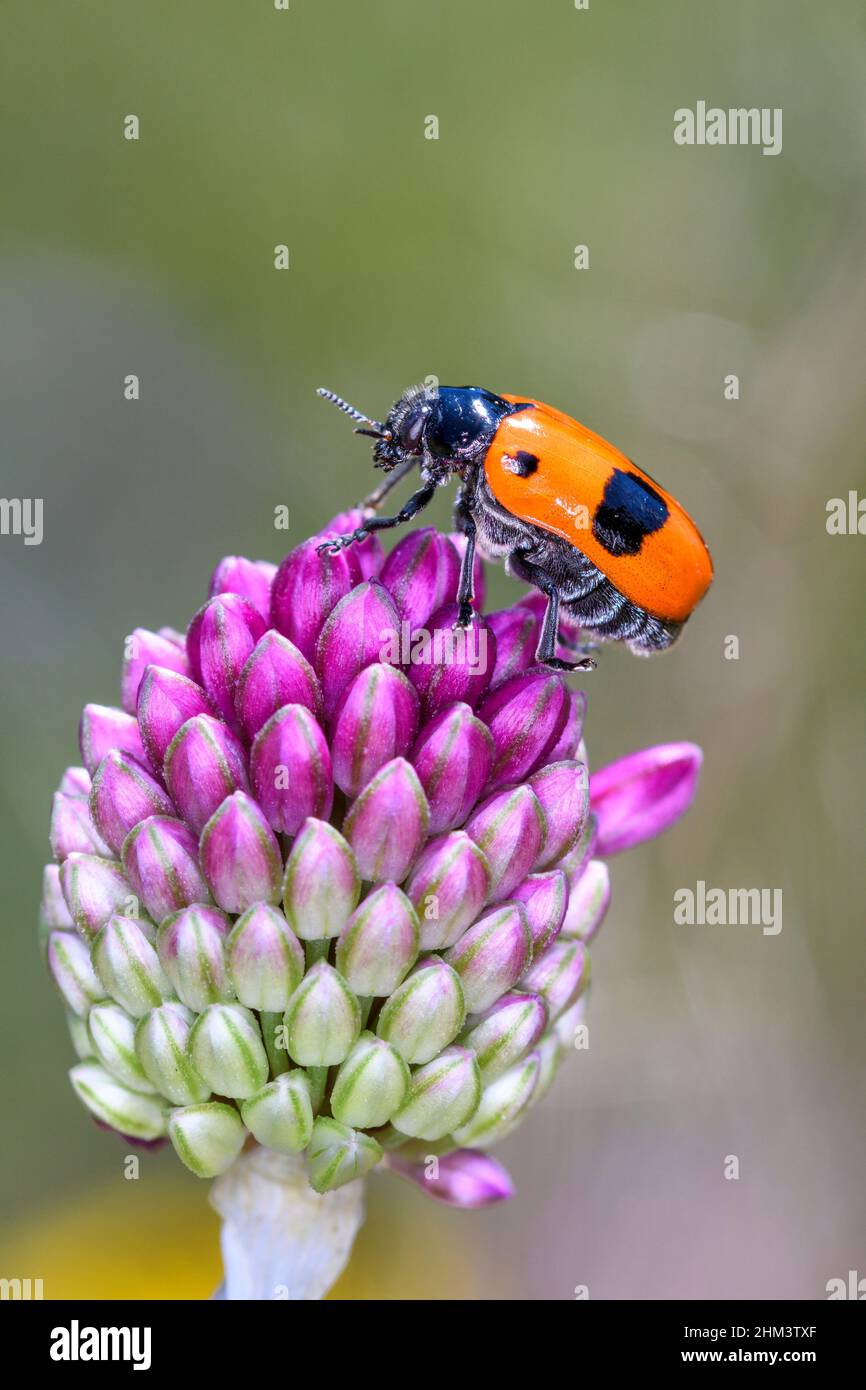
{"points": [[411, 256]]}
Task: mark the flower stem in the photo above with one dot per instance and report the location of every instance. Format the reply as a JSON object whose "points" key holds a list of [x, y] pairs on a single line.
{"points": [[280, 1239]]}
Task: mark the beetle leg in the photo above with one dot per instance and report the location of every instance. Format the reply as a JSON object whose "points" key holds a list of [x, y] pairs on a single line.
{"points": [[390, 480], [466, 588], [416, 503], [548, 641]]}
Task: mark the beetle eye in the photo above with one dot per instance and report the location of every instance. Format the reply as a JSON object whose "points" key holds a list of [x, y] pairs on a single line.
{"points": [[413, 430]]}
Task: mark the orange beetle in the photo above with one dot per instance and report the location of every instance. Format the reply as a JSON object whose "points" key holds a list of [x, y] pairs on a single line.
{"points": [[565, 509]]}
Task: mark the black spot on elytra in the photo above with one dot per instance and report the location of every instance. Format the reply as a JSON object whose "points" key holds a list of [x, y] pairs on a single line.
{"points": [[522, 464], [629, 510]]}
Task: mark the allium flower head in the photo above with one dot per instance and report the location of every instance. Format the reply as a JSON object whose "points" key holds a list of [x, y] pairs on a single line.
{"points": [[327, 878]]}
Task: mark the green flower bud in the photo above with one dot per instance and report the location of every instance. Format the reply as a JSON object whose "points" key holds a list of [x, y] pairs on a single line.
{"points": [[550, 1054], [207, 1138], [191, 945], [443, 1095], [265, 959], [128, 966], [280, 1115], [227, 1050], [425, 1013], [80, 1036], [323, 1018], [379, 943], [338, 1154], [161, 1043], [370, 1085], [505, 1033], [72, 972], [112, 1033], [129, 1112], [502, 1105]]}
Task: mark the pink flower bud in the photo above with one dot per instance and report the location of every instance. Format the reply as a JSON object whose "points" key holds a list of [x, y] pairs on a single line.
{"points": [[559, 975], [387, 825], [166, 700], [204, 764], [510, 828], [274, 674], [240, 855], [379, 943], [160, 859], [191, 946], [103, 729], [368, 553], [220, 638], [94, 888], [72, 829], [375, 721], [516, 632], [544, 898], [421, 574], [452, 663], [448, 888], [568, 744], [122, 795], [525, 715], [588, 901], [290, 766], [145, 649], [492, 956], [251, 579], [465, 1178], [563, 790], [362, 629], [76, 780], [308, 586], [639, 796], [453, 758]]}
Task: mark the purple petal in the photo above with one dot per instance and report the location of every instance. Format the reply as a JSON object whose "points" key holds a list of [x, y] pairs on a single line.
{"points": [[94, 888], [525, 715], [362, 629], [588, 901], [453, 758], [240, 855], [492, 956], [466, 1178], [375, 721], [275, 674], [102, 729], [421, 574], [166, 700], [290, 767], [123, 794], [145, 649], [568, 743], [251, 579], [639, 796], [308, 586], [160, 859], [387, 825], [76, 780], [204, 764], [448, 663]]}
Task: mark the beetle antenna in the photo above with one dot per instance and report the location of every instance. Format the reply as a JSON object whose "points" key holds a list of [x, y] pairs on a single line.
{"points": [[357, 415]]}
